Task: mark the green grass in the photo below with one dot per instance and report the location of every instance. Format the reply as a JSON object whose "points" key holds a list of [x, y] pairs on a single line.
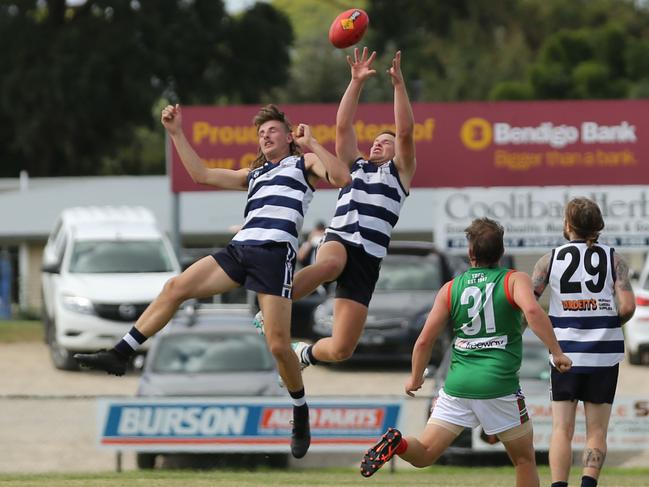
{"points": [[20, 331], [436, 476]]}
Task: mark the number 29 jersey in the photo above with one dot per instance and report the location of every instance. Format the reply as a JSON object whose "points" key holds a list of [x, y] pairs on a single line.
{"points": [[487, 350], [582, 305]]}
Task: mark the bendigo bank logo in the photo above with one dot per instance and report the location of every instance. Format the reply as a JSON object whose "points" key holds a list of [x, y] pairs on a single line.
{"points": [[476, 133]]}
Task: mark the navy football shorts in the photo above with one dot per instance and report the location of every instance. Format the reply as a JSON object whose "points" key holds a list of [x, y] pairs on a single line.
{"points": [[358, 278], [596, 387], [266, 269]]}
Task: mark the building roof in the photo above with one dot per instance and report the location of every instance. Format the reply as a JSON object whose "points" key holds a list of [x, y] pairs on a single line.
{"points": [[30, 206]]}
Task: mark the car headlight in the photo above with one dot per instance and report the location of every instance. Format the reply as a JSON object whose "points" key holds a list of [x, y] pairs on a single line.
{"points": [[77, 304]]}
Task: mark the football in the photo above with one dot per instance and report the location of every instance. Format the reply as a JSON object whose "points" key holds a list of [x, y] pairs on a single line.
{"points": [[348, 28]]}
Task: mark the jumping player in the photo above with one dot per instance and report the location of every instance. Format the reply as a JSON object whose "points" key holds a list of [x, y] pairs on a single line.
{"points": [[260, 257], [366, 212], [485, 305]]}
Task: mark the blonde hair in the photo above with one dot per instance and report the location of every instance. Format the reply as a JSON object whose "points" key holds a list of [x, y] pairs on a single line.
{"points": [[266, 114]]}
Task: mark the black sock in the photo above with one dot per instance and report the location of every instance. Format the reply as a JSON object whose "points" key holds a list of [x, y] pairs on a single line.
{"points": [[130, 343], [309, 356], [587, 481], [561, 483]]}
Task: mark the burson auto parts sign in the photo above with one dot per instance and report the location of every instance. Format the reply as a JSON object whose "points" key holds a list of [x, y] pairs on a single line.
{"points": [[459, 144]]}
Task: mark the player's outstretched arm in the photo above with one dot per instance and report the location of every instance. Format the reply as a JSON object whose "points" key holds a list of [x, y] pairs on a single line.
{"points": [[320, 162], [361, 69], [421, 352], [624, 295], [405, 124], [171, 118], [537, 320]]}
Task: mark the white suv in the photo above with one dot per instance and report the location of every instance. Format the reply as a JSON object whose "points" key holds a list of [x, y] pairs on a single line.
{"points": [[102, 266], [636, 330]]}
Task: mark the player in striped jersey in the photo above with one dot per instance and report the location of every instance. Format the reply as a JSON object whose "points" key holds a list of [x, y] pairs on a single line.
{"points": [[260, 257], [590, 298], [366, 212]]}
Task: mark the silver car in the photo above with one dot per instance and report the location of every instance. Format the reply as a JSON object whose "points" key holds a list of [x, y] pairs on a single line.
{"points": [[210, 351]]}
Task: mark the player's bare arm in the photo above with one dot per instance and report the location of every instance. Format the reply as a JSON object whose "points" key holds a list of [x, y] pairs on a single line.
{"points": [[171, 118], [320, 163], [521, 290], [540, 274], [361, 69], [405, 125], [624, 295], [421, 352]]}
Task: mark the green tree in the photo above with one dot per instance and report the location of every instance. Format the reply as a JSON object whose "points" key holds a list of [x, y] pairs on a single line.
{"points": [[79, 83]]}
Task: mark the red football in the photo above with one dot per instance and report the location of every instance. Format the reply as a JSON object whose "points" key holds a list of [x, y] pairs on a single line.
{"points": [[348, 28]]}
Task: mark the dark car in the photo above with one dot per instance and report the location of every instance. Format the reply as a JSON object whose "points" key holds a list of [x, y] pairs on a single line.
{"points": [[212, 350], [411, 275]]}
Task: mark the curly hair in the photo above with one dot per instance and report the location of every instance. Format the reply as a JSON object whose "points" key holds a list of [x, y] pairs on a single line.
{"points": [[266, 114]]}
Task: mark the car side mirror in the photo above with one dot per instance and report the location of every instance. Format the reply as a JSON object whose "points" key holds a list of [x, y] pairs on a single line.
{"points": [[51, 267]]}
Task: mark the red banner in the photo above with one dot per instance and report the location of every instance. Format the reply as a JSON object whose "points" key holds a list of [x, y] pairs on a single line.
{"points": [[459, 144]]}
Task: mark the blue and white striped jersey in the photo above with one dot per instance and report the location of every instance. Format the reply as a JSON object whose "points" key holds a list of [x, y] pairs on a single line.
{"points": [[368, 208], [278, 197], [582, 305]]}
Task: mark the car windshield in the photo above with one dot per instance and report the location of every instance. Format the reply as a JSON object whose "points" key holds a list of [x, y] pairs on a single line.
{"points": [[535, 363], [205, 353], [410, 273], [106, 257]]}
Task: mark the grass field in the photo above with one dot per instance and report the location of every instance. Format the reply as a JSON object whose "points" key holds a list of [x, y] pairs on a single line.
{"points": [[437, 476], [20, 331]]}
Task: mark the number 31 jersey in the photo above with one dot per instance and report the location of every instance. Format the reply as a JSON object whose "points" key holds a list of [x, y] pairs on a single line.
{"points": [[582, 305], [488, 346]]}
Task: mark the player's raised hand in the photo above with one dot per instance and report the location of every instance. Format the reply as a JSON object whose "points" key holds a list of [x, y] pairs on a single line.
{"points": [[395, 70], [171, 118], [362, 66], [303, 137]]}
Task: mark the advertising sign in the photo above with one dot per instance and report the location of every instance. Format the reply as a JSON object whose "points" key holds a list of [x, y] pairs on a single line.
{"points": [[533, 217], [545, 143], [239, 424], [627, 430]]}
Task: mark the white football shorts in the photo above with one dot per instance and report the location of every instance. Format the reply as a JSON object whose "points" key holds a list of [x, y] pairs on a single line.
{"points": [[494, 415]]}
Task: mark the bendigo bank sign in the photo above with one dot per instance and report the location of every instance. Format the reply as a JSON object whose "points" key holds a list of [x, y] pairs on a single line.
{"points": [[555, 143]]}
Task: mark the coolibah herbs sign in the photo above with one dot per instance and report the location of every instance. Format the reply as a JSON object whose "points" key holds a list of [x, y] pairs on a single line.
{"points": [[533, 216]]}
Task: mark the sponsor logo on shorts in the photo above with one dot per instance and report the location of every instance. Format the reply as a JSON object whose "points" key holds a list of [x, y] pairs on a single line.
{"points": [[481, 343]]}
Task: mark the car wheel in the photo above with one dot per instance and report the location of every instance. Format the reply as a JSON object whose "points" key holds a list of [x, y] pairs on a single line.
{"points": [[635, 358], [61, 357], [145, 461]]}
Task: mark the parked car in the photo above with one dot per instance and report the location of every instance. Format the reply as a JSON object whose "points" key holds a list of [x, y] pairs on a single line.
{"points": [[302, 312], [636, 330], [410, 276], [534, 378], [212, 350], [102, 266]]}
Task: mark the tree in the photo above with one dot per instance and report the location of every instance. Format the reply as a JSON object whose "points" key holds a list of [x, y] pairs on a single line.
{"points": [[79, 83]]}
